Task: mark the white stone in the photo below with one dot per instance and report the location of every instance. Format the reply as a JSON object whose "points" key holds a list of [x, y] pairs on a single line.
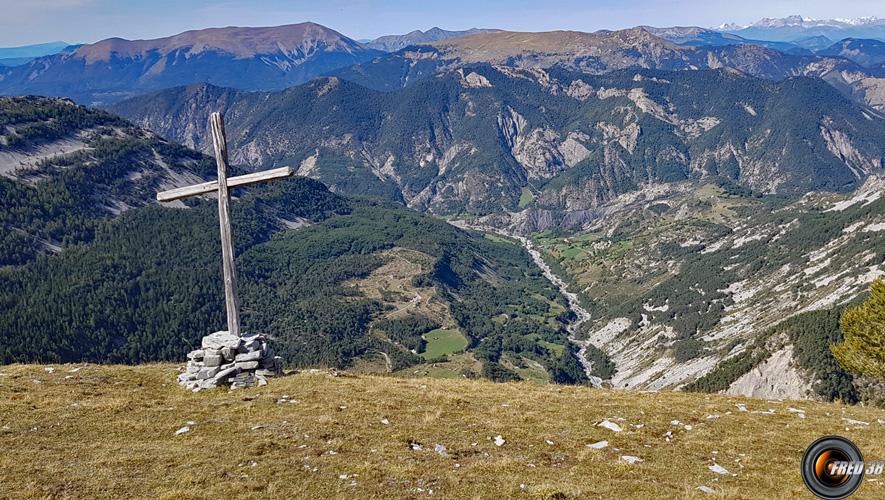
{"points": [[228, 353], [850, 421], [610, 426], [248, 356], [206, 373], [219, 340], [718, 469], [224, 373], [212, 360]]}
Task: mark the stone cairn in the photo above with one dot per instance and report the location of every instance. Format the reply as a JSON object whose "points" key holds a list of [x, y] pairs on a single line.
{"points": [[240, 362]]}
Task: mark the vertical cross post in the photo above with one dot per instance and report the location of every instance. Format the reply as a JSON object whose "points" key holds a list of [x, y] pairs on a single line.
{"points": [[216, 124]]}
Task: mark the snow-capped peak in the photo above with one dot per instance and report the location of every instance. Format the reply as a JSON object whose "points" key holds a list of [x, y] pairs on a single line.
{"points": [[803, 22], [729, 27], [807, 22]]}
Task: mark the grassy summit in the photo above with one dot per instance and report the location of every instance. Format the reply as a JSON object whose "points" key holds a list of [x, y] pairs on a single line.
{"points": [[110, 431]]}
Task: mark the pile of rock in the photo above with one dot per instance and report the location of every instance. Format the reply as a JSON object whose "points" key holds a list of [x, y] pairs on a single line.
{"points": [[243, 361]]}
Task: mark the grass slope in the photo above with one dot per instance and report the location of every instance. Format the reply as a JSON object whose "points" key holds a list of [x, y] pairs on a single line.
{"points": [[442, 342], [110, 431]]}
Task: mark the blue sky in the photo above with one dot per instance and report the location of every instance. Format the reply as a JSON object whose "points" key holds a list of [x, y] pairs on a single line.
{"points": [[34, 21]]}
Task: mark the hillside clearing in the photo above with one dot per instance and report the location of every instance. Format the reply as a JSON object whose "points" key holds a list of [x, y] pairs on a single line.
{"points": [[442, 342], [116, 431]]}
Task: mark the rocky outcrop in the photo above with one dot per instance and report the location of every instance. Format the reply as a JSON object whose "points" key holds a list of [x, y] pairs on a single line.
{"points": [[776, 378], [840, 144], [473, 80]]}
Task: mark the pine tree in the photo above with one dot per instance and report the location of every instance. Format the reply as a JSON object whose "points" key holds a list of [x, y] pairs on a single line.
{"points": [[863, 350]]}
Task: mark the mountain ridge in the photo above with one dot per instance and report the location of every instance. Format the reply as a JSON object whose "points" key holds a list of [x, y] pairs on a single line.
{"points": [[644, 126], [603, 51], [796, 26], [249, 58], [392, 43], [866, 52]]}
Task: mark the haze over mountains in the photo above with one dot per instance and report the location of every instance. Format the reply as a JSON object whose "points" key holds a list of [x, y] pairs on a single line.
{"points": [[392, 43], [16, 56]]}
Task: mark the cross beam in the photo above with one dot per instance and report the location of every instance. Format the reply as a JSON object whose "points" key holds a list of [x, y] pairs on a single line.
{"points": [[232, 182], [223, 185]]}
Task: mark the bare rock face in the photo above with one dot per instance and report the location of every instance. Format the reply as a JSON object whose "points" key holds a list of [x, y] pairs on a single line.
{"points": [[474, 80], [775, 378], [540, 151], [226, 359], [839, 143]]}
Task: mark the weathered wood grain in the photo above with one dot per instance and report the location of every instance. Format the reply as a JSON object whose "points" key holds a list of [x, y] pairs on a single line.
{"points": [[231, 302], [232, 182]]}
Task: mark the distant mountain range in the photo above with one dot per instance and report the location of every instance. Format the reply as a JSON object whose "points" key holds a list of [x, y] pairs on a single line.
{"points": [[476, 138], [392, 43], [795, 27], [248, 58], [603, 51], [279, 57], [693, 35], [593, 53], [15, 56], [867, 53]]}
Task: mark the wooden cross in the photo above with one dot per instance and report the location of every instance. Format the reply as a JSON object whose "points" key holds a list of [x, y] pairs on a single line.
{"points": [[223, 185]]}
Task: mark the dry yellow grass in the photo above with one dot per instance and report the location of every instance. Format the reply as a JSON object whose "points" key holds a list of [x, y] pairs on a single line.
{"points": [[110, 431]]}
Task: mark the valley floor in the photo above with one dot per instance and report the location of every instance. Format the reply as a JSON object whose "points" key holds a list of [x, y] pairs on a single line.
{"points": [[87, 431]]}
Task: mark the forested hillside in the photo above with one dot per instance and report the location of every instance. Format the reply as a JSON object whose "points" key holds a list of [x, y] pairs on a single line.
{"points": [[488, 139], [64, 168], [148, 286], [83, 282], [694, 281]]}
